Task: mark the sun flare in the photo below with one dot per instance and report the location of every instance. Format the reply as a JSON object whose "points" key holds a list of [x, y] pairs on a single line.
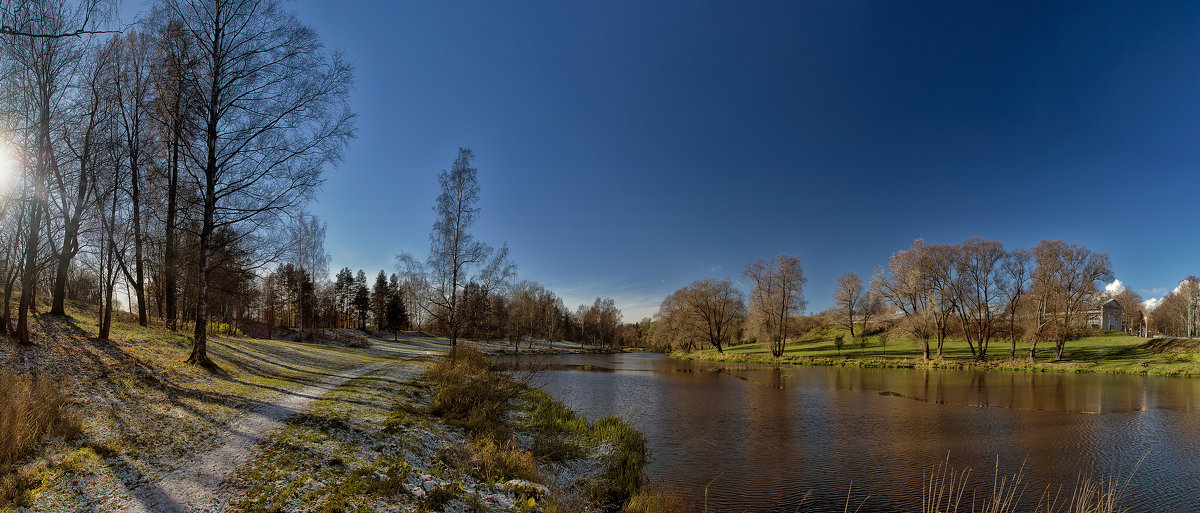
{"points": [[8, 168]]}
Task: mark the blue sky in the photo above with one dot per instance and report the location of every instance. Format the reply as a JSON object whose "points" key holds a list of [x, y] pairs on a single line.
{"points": [[626, 149]]}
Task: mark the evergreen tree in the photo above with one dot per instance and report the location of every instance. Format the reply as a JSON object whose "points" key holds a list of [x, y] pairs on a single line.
{"points": [[343, 291], [395, 316], [362, 299], [380, 295]]}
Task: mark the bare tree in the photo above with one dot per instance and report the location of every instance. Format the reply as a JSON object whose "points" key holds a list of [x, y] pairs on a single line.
{"points": [[707, 310], [177, 60], [1065, 281], [455, 257], [907, 286], [849, 296], [15, 20], [1189, 293], [1014, 287], [778, 294], [271, 112], [132, 91], [978, 290]]}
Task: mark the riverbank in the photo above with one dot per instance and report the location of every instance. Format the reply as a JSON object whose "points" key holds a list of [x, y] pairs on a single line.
{"points": [[1106, 354], [286, 426]]}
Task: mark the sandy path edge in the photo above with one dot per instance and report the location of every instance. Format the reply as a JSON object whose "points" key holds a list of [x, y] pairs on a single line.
{"points": [[196, 485]]}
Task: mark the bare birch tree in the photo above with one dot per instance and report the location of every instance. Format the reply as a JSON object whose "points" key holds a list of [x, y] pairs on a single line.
{"points": [[271, 112], [455, 256]]}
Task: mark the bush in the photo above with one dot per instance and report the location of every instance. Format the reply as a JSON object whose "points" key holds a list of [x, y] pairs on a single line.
{"points": [[469, 395], [31, 411]]}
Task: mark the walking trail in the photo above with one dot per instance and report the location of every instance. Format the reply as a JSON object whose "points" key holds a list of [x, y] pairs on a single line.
{"points": [[197, 485]]}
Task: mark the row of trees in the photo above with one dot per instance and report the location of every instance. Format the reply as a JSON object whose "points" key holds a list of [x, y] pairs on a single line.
{"points": [[974, 290], [1043, 293], [166, 159], [1178, 314], [715, 312]]}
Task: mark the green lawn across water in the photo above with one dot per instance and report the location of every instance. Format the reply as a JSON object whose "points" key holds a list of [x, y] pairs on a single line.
{"points": [[1108, 352]]}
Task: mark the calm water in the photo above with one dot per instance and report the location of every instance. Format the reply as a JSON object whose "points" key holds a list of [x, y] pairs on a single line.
{"points": [[760, 437]]}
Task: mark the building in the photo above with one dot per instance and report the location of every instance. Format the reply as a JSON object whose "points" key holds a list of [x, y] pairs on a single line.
{"points": [[1107, 317]]}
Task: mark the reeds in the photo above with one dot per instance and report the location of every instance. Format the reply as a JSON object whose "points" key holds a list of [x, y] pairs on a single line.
{"points": [[944, 487]]}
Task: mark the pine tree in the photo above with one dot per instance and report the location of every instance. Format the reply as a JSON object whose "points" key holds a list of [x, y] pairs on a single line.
{"points": [[362, 299], [380, 295]]}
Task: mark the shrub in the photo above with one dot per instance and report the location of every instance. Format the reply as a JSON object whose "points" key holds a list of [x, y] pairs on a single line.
{"points": [[469, 395]]}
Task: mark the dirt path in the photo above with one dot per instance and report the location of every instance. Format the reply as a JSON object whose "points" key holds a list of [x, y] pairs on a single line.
{"points": [[197, 485]]}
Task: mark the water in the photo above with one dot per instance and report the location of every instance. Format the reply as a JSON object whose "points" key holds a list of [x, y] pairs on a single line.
{"points": [[760, 437]]}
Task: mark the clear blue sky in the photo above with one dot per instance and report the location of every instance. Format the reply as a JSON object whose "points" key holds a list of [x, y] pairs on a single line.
{"points": [[626, 149]]}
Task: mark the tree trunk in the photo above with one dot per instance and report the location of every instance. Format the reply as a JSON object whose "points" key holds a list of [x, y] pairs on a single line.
{"points": [[139, 281], [70, 245], [199, 354]]}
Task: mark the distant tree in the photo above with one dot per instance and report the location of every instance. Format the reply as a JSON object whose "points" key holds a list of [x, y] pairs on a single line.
{"points": [[778, 294], [344, 296], [906, 285], [978, 287], [381, 294], [849, 296], [395, 317], [708, 310], [455, 257], [1065, 281], [1189, 301], [838, 342], [1014, 286], [362, 299]]}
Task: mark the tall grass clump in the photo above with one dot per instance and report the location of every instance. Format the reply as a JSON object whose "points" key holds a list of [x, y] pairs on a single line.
{"points": [[468, 394], [32, 410], [657, 500]]}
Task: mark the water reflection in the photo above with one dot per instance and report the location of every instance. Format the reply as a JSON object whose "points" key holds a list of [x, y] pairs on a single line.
{"points": [[759, 437]]}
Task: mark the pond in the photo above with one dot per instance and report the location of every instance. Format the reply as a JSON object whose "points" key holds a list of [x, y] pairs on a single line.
{"points": [[740, 437]]}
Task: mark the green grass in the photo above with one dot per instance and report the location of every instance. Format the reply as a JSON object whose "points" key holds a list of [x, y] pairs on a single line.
{"points": [[1107, 352]]}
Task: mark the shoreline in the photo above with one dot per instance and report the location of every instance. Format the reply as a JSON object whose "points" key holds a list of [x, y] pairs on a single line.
{"points": [[1184, 370]]}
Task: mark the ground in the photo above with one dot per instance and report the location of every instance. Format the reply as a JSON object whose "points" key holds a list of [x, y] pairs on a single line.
{"points": [[1104, 352], [286, 426]]}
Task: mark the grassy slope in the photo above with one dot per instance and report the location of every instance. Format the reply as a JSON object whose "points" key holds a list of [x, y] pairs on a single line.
{"points": [[143, 409], [1109, 353]]}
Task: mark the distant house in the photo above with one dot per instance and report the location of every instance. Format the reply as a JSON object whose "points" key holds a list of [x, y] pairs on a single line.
{"points": [[1107, 317]]}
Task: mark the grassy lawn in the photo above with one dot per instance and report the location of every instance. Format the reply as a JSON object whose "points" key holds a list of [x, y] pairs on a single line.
{"points": [[1110, 352], [141, 410]]}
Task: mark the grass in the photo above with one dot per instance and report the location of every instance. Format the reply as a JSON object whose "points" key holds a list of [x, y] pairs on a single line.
{"points": [[469, 394], [562, 434], [1105, 352], [32, 410], [145, 407], [658, 500]]}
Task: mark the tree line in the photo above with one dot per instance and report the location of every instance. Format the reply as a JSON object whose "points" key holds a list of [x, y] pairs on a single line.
{"points": [[975, 291], [168, 160]]}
